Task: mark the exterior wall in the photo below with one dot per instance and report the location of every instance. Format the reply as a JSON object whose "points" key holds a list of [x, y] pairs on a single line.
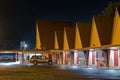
{"points": [[68, 58], [92, 58], [26, 57], [80, 58], [75, 58], [102, 58], [54, 58], [98, 58], [59, 58], [114, 61]]}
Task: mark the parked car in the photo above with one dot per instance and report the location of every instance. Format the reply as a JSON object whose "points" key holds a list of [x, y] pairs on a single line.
{"points": [[35, 59]]}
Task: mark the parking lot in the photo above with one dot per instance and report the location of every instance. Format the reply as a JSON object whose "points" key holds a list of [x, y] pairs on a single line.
{"points": [[55, 72]]}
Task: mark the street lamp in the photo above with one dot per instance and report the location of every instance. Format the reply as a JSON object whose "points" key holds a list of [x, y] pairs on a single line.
{"points": [[25, 46]]}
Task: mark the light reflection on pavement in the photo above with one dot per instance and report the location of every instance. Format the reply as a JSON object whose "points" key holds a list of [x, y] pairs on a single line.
{"points": [[76, 71], [93, 72]]}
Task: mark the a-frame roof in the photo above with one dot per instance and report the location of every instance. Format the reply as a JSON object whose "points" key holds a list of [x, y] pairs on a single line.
{"points": [[94, 37], [118, 9], [47, 31], [116, 28], [104, 27], [56, 42], [60, 36], [38, 43], [84, 29], [69, 34]]}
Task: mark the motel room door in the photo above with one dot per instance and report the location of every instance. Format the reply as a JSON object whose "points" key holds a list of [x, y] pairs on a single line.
{"points": [[93, 57], [115, 57]]}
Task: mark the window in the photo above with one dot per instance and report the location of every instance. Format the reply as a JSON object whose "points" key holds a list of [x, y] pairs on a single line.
{"points": [[81, 54], [98, 54]]}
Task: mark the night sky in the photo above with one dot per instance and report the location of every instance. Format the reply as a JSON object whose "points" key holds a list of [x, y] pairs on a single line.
{"points": [[18, 17]]}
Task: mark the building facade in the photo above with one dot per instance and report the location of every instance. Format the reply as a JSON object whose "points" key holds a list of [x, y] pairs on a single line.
{"points": [[93, 44]]}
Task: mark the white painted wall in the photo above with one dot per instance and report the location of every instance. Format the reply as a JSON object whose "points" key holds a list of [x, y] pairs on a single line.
{"points": [[111, 61], [75, 57], [90, 58]]}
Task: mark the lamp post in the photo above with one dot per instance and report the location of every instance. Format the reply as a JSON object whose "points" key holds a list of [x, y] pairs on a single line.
{"points": [[23, 47]]}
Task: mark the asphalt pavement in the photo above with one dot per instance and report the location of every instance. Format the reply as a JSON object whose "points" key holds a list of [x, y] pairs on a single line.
{"points": [[55, 72]]}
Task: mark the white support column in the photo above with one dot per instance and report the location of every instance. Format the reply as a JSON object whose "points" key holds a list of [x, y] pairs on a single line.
{"points": [[95, 53], [111, 61], [75, 57], [64, 56], [90, 58], [118, 58]]}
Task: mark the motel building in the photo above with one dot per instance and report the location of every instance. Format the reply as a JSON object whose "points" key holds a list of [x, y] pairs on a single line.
{"points": [[98, 44], [87, 44], [103, 49]]}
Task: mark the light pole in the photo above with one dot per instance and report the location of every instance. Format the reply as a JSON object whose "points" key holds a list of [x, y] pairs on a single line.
{"points": [[23, 46]]}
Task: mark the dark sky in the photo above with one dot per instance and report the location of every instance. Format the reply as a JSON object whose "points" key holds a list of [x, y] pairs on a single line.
{"points": [[18, 17]]}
